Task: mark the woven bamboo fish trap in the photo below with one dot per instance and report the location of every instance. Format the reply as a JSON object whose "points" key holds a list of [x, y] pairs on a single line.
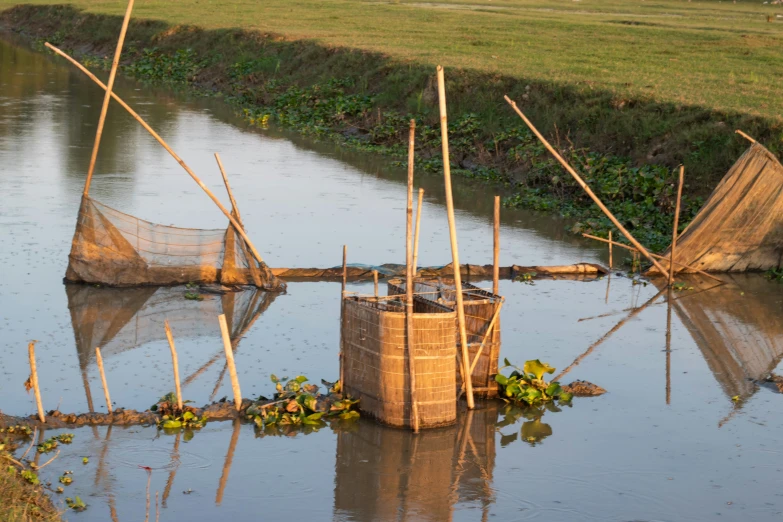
{"points": [[376, 362], [480, 309]]}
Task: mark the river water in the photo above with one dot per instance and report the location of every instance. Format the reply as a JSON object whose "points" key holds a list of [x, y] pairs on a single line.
{"points": [[680, 435]]}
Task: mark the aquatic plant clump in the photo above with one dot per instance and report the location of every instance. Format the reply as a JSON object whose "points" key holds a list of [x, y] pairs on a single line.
{"points": [[527, 386], [172, 418], [298, 404], [51, 443]]}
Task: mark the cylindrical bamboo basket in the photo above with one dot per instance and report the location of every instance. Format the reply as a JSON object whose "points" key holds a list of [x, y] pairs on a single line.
{"points": [[480, 307], [376, 362]]}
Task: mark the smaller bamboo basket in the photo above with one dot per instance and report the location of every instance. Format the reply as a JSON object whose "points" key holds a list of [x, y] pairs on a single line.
{"points": [[376, 362], [480, 308]]}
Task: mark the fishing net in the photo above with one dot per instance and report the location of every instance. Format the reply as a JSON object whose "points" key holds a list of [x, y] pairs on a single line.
{"points": [[117, 249], [740, 226]]}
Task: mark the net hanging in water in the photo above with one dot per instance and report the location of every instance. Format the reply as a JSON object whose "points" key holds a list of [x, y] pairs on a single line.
{"points": [[116, 249]]}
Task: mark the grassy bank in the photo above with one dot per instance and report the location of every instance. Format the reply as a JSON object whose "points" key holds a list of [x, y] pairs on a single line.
{"points": [[625, 90], [21, 501]]}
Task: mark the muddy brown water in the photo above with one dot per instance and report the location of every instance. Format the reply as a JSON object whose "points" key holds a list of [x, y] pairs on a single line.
{"points": [[667, 442]]}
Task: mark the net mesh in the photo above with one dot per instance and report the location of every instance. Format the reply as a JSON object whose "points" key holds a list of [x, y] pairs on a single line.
{"points": [[116, 249]]}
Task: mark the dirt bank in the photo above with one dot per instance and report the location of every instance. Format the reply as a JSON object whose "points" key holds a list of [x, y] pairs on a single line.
{"points": [[364, 100]]}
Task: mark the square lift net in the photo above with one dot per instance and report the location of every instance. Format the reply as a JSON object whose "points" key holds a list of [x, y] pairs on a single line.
{"points": [[117, 249]]}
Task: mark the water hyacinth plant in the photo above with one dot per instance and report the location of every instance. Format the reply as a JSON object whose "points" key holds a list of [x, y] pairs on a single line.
{"points": [[296, 403], [527, 386]]}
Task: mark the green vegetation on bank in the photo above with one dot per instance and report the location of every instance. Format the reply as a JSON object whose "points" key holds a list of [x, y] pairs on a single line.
{"points": [[626, 91], [22, 496]]}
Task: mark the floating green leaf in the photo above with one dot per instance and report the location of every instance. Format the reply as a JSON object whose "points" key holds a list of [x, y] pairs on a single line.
{"points": [[537, 368]]}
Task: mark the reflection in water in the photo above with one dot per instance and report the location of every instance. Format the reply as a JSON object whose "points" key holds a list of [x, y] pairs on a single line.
{"points": [[121, 319], [388, 474], [737, 326]]}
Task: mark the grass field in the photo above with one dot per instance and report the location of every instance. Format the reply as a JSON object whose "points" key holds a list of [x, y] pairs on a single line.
{"points": [[719, 55]]}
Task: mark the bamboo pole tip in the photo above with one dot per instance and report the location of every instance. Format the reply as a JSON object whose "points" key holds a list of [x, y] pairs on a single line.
{"points": [[439, 68], [413, 123], [745, 136]]}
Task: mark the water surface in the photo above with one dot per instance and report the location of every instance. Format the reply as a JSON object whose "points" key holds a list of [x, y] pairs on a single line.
{"points": [[667, 442]]}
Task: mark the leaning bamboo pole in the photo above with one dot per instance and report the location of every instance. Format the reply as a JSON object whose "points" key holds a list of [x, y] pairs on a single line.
{"points": [[632, 249], [232, 369], [34, 381], [409, 282], [174, 363], [416, 234], [252, 268], [99, 361], [173, 154], [496, 248], [676, 224], [107, 97], [588, 190], [444, 133]]}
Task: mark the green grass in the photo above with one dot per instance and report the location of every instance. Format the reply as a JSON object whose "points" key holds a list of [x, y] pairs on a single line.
{"points": [[716, 55], [22, 502]]}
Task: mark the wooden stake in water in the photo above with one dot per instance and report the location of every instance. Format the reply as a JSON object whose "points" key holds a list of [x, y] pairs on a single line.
{"points": [[496, 248], [610, 250], [34, 381], [409, 281], [444, 133], [107, 97], [99, 360], [669, 348], [175, 363], [676, 224], [232, 369], [416, 234], [589, 191], [342, 313]]}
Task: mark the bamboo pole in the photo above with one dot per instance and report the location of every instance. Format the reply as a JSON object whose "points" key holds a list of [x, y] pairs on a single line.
{"points": [[409, 281], [107, 97], [669, 347], [496, 248], [179, 160], [745, 136], [416, 234], [252, 268], [174, 362], [615, 243], [375, 282], [610, 250], [234, 205], [232, 369], [487, 335], [676, 224], [444, 132], [342, 315], [34, 382], [99, 360], [589, 191]]}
